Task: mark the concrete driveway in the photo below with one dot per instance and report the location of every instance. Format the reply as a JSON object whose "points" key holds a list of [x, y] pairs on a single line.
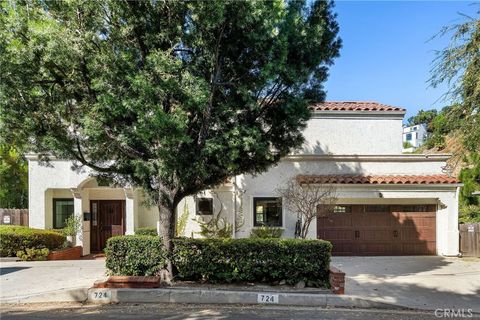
{"points": [[415, 281], [23, 281]]}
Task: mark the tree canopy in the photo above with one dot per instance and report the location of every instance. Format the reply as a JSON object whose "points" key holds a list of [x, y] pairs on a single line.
{"points": [[170, 96], [459, 66], [422, 117]]}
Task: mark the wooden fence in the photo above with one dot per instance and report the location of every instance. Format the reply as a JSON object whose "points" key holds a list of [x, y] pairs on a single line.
{"points": [[470, 239], [17, 217]]}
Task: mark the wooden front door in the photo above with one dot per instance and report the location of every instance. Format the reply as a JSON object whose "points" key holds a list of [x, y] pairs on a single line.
{"points": [[380, 230], [108, 219]]}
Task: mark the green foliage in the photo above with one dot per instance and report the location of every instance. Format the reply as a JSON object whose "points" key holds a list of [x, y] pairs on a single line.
{"points": [[444, 123], [266, 232], [407, 145], [253, 260], [13, 177], [73, 226], [458, 65], [182, 221], [469, 214], [135, 255], [470, 177], [146, 231], [32, 254], [423, 117], [16, 238], [215, 227], [223, 260], [180, 94]]}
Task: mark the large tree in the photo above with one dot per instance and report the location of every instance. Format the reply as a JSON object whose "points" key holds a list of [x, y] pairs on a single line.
{"points": [[458, 65], [170, 96]]}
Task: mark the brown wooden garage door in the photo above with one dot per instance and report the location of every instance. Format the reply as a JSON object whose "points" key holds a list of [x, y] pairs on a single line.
{"points": [[380, 229]]}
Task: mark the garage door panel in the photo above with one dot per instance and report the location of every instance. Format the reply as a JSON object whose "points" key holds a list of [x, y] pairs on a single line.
{"points": [[374, 230]]}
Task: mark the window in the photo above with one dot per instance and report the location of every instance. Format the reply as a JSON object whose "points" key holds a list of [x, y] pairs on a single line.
{"points": [[377, 208], [205, 206], [416, 208], [268, 212], [409, 137], [62, 210], [342, 209], [415, 128]]}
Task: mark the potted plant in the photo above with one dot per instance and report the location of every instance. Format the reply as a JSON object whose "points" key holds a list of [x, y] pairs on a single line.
{"points": [[72, 226]]}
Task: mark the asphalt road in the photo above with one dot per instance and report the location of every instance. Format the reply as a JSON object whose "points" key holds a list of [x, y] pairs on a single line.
{"points": [[201, 312]]}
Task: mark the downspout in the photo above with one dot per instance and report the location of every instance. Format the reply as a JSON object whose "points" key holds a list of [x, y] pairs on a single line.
{"points": [[234, 233]]}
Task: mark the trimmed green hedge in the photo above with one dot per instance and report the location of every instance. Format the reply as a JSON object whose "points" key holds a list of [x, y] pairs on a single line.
{"points": [[224, 260], [146, 231], [18, 238], [253, 260], [134, 255]]}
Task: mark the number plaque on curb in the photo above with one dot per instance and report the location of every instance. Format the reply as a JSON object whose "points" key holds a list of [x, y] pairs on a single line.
{"points": [[100, 296], [267, 298]]}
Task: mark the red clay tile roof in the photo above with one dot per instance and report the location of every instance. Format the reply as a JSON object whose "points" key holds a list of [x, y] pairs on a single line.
{"points": [[390, 179], [352, 106]]}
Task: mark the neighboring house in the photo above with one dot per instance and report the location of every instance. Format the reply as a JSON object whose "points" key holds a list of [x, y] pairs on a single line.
{"points": [[415, 136], [389, 203]]}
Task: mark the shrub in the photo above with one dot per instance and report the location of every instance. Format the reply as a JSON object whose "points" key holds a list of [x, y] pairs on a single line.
{"points": [[254, 260], [32, 254], [73, 225], [135, 255], [17, 238], [147, 231], [266, 232]]}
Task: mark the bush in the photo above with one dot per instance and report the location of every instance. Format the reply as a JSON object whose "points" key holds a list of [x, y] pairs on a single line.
{"points": [[135, 255], [266, 232], [253, 260], [147, 231], [32, 254], [17, 238]]}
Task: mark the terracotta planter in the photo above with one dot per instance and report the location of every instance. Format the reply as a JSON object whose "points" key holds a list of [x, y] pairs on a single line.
{"points": [[74, 253], [129, 282]]}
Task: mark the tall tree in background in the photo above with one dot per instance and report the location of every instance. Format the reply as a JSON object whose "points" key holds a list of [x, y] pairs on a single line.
{"points": [[459, 66], [423, 117], [13, 178], [173, 97]]}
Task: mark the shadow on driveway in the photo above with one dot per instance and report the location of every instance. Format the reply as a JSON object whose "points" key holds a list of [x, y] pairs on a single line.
{"points": [[8, 270]]}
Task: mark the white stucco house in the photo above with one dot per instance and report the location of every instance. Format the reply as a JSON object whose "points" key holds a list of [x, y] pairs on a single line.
{"points": [[415, 136], [389, 203]]}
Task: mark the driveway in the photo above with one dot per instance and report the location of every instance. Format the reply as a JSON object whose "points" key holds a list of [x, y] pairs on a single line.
{"points": [[19, 280], [414, 281]]}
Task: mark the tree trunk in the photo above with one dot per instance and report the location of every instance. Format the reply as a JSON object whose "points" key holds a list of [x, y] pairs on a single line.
{"points": [[167, 231]]}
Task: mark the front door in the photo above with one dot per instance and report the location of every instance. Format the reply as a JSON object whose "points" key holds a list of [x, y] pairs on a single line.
{"points": [[108, 219]]}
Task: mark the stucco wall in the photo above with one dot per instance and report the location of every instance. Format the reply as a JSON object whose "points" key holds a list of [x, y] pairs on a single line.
{"points": [[378, 135]]}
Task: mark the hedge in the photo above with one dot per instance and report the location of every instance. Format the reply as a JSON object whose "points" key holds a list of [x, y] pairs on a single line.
{"points": [[224, 260], [253, 260], [146, 231], [134, 255], [18, 238]]}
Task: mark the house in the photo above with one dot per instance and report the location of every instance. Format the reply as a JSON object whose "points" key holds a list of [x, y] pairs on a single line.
{"points": [[389, 203], [415, 136]]}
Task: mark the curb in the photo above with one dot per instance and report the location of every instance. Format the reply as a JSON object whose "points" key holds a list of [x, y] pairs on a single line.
{"points": [[202, 296], [68, 295]]}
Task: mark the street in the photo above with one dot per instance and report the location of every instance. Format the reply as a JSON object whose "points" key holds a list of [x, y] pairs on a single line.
{"points": [[182, 311]]}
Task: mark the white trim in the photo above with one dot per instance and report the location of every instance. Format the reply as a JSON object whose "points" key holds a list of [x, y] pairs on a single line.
{"points": [[266, 196]]}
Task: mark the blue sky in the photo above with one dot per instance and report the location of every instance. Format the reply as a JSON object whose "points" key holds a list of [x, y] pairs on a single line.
{"points": [[386, 55]]}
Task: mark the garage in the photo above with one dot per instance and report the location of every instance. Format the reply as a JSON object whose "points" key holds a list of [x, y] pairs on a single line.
{"points": [[379, 230]]}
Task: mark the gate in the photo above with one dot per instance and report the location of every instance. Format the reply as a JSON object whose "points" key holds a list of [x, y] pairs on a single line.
{"points": [[17, 217], [470, 239]]}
